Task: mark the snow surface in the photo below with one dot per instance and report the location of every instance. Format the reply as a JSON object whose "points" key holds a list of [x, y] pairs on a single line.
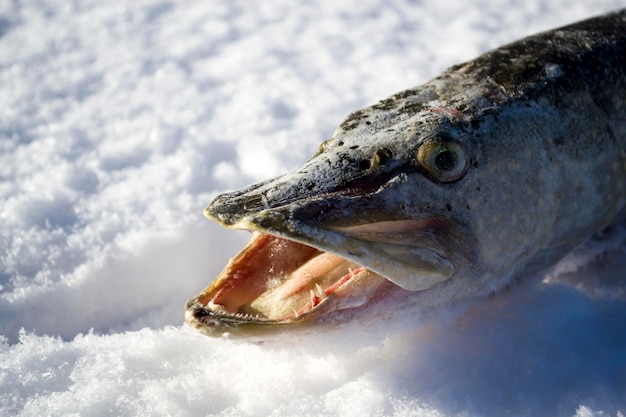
{"points": [[120, 120]]}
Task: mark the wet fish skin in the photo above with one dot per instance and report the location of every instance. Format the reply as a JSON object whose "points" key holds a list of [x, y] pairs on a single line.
{"points": [[542, 123]]}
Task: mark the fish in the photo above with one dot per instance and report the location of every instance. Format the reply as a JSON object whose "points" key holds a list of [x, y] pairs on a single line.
{"points": [[495, 169]]}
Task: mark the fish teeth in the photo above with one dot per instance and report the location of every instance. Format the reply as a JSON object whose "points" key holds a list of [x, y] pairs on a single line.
{"points": [[245, 316], [218, 308], [320, 291]]}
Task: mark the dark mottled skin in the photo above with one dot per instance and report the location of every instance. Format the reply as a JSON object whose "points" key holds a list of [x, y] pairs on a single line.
{"points": [[591, 54]]}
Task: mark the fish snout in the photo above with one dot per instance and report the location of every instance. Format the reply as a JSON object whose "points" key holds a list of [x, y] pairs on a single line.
{"points": [[306, 190], [230, 208]]}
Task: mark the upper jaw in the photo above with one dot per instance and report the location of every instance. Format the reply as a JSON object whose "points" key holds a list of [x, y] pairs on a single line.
{"points": [[410, 252]]}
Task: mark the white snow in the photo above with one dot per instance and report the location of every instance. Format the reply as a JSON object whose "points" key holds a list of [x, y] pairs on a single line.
{"points": [[119, 121]]}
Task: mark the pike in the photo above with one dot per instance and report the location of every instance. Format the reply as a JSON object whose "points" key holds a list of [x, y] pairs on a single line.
{"points": [[495, 169]]}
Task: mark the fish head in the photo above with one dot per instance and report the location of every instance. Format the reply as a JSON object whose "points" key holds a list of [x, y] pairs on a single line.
{"points": [[401, 198]]}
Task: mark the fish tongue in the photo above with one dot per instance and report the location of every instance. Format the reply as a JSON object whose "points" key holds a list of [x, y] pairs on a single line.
{"points": [[293, 292]]}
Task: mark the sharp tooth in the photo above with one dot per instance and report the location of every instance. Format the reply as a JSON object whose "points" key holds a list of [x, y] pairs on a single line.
{"points": [[218, 308], [320, 291], [295, 313]]}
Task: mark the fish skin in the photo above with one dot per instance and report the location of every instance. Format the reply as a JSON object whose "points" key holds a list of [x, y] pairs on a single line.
{"points": [[543, 124]]}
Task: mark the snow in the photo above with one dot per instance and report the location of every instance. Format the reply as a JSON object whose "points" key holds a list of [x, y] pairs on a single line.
{"points": [[119, 121]]}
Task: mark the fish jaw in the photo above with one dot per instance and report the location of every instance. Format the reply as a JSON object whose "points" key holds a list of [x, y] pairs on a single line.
{"points": [[274, 281], [299, 267]]}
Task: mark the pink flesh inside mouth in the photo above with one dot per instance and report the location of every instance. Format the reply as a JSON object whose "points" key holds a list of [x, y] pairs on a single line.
{"points": [[277, 281]]}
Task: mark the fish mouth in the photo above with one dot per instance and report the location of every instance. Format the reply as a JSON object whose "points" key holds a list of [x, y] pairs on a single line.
{"points": [[279, 280]]}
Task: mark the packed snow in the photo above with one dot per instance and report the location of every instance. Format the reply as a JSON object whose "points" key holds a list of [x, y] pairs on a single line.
{"points": [[120, 120]]}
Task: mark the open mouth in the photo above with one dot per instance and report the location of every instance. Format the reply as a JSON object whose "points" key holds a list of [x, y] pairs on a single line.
{"points": [[278, 281]]}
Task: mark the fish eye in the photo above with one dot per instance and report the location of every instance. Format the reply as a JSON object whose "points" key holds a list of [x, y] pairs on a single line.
{"points": [[443, 161]]}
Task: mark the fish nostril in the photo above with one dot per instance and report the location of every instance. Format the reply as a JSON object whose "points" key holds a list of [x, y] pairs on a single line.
{"points": [[379, 158], [382, 155]]}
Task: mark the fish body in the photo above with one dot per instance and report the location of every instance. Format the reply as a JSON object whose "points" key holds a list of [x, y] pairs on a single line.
{"points": [[496, 168]]}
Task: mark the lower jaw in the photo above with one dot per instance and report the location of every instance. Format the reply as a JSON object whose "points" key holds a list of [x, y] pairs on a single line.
{"points": [[314, 285], [214, 323], [357, 289]]}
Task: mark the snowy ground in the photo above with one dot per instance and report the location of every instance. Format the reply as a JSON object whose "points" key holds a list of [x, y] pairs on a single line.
{"points": [[120, 120]]}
